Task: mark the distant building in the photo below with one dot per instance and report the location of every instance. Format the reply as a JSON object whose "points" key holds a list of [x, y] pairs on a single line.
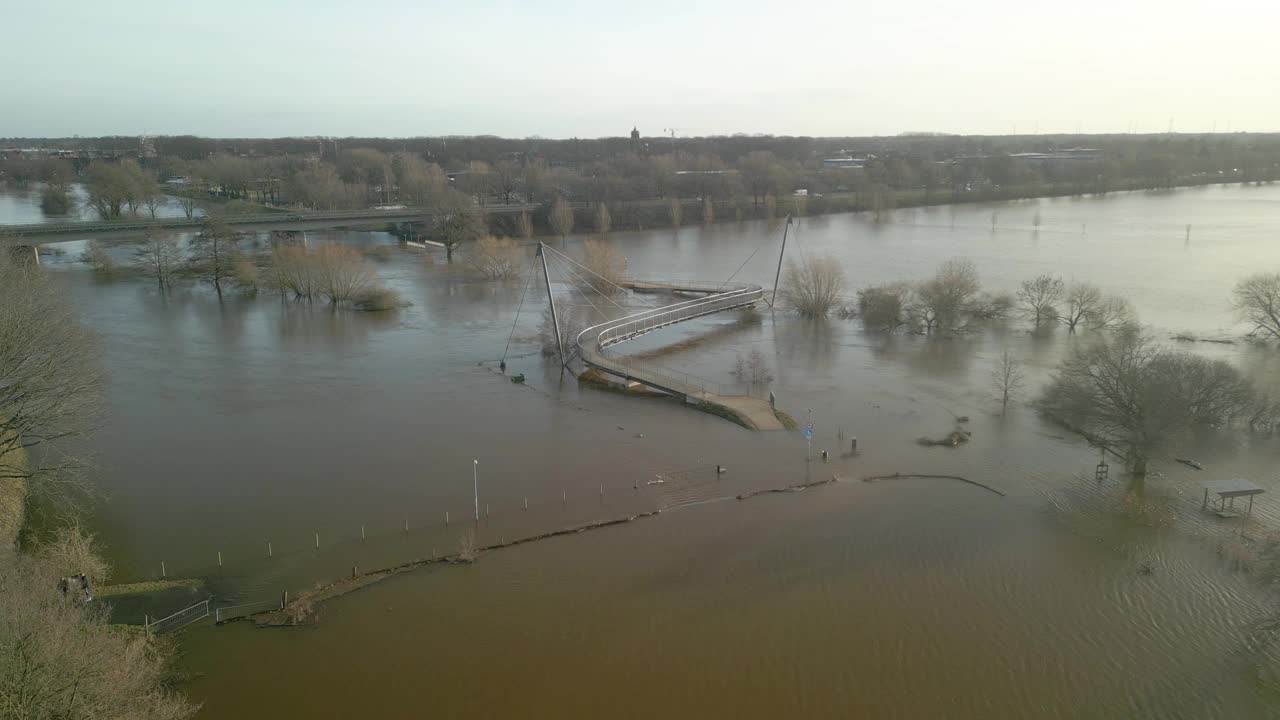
{"points": [[844, 162], [1064, 155]]}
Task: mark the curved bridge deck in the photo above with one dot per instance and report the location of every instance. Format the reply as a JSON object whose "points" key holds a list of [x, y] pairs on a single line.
{"points": [[715, 297]]}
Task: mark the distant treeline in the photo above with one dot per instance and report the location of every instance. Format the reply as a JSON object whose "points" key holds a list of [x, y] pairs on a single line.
{"points": [[737, 176]]}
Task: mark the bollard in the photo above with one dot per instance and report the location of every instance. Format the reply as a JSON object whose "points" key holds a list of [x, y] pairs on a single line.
{"points": [[406, 527], [433, 553], [361, 533], [446, 517], [219, 558], [163, 574], [853, 445], [602, 491], [824, 456], [562, 500], [355, 570], [317, 541], [486, 509], [284, 599], [269, 554], [526, 503]]}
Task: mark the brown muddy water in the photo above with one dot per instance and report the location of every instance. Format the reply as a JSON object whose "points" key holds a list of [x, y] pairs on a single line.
{"points": [[230, 427]]}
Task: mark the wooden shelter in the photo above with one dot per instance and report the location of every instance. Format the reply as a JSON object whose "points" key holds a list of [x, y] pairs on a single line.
{"points": [[1227, 492]]}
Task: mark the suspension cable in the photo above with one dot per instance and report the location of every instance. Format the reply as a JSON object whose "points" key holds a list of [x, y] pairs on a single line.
{"points": [[584, 297], [570, 270], [759, 247], [528, 277], [584, 267]]}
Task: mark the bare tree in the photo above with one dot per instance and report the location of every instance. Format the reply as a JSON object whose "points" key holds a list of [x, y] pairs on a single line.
{"points": [[607, 264], [1257, 302], [342, 272], [813, 286], [1038, 297], [293, 272], [495, 258], [188, 205], [507, 177], [1083, 301], [753, 370], [114, 186], [1087, 305], [49, 384], [524, 225], [561, 218], [1113, 313], [158, 256], [462, 222], [884, 307], [1007, 378], [60, 657], [1129, 393], [942, 301], [603, 220], [152, 197], [214, 253]]}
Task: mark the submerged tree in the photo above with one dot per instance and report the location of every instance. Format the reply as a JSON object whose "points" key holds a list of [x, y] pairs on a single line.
{"points": [[1007, 378], [524, 225], [753, 370], [1039, 296], [1087, 305], [55, 199], [159, 256], [1128, 393], [607, 264], [493, 257], [813, 286], [214, 253], [942, 301], [561, 218], [116, 186], [462, 223], [1257, 302], [884, 307], [604, 222]]}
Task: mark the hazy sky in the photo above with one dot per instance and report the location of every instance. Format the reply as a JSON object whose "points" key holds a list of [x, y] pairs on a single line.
{"points": [[560, 68]]}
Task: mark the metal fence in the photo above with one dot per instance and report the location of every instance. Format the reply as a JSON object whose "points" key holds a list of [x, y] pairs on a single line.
{"points": [[231, 612], [180, 619]]}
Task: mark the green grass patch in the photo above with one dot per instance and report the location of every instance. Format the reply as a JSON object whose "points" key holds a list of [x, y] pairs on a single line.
{"points": [[788, 422]]}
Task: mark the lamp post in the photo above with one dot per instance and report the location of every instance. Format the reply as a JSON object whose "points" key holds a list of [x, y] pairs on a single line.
{"points": [[475, 485]]}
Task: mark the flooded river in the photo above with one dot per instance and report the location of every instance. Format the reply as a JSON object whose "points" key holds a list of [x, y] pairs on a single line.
{"points": [[256, 425]]}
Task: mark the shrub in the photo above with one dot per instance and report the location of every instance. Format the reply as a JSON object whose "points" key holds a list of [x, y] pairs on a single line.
{"points": [[813, 286]]}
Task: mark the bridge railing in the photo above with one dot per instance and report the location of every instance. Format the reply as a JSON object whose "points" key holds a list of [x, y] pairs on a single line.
{"points": [[592, 341]]}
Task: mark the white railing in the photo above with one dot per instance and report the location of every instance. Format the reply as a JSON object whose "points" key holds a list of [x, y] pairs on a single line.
{"points": [[725, 296], [180, 619]]}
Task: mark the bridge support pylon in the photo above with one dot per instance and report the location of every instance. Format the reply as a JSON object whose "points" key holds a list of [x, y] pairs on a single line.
{"points": [[555, 322]]}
